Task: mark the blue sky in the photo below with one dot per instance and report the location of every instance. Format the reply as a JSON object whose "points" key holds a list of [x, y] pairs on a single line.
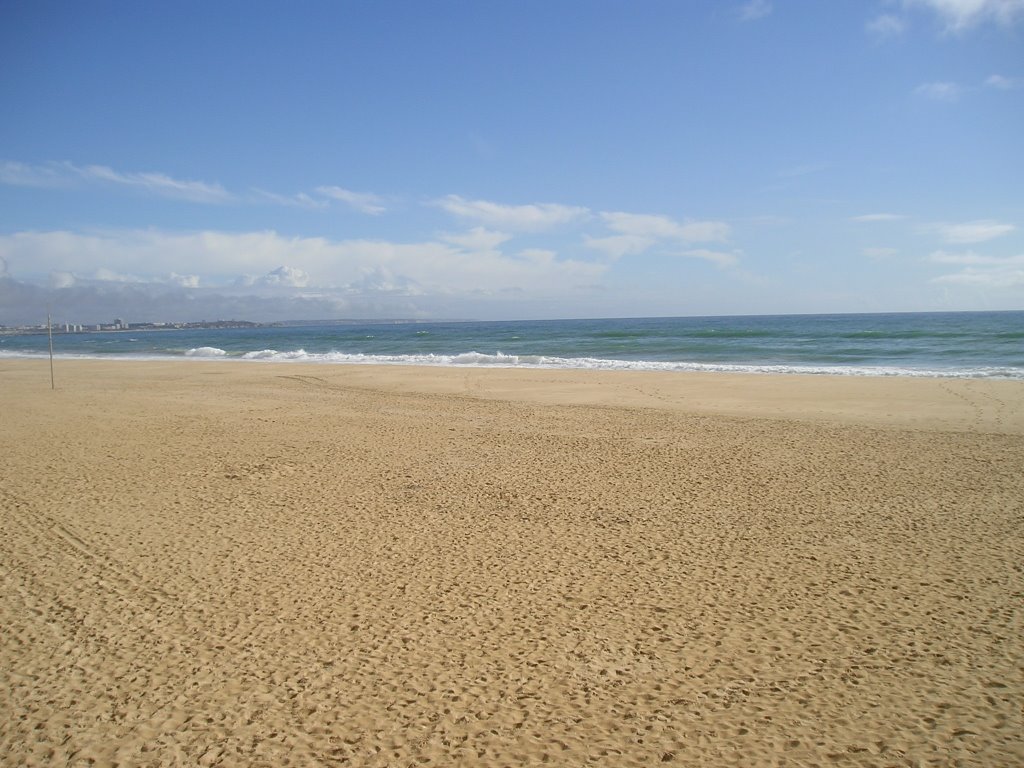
{"points": [[313, 160]]}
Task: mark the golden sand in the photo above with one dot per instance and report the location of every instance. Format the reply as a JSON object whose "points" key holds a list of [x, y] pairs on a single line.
{"points": [[209, 563]]}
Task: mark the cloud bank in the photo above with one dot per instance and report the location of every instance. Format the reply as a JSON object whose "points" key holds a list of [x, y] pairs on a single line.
{"points": [[100, 270]]}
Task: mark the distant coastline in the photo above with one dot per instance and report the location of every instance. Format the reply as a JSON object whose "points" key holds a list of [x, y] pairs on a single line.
{"points": [[121, 327]]}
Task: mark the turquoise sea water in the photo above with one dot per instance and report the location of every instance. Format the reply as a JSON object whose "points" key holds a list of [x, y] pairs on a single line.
{"points": [[961, 344]]}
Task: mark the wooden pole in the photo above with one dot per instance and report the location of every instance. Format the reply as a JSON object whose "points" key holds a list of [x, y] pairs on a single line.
{"points": [[49, 332]]}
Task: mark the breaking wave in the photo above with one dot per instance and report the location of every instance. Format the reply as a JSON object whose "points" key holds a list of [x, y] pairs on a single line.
{"points": [[501, 360], [206, 352]]}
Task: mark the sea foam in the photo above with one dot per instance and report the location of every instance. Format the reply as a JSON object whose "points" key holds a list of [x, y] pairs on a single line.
{"points": [[206, 352], [501, 360]]}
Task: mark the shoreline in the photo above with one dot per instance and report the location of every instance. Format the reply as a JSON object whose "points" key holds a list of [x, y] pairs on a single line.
{"points": [[307, 564], [611, 365]]}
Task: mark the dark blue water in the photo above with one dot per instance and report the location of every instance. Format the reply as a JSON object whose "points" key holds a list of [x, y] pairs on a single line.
{"points": [[975, 344]]}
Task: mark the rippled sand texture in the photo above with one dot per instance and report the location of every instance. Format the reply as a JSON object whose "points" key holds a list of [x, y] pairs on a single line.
{"points": [[229, 564]]}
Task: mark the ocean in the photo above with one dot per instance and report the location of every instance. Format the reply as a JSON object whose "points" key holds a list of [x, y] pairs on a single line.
{"points": [[956, 344]]}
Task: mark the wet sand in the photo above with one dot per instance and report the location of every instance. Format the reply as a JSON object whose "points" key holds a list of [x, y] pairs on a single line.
{"points": [[209, 563]]}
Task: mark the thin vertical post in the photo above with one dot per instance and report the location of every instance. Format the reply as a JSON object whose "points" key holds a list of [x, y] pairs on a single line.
{"points": [[49, 332]]}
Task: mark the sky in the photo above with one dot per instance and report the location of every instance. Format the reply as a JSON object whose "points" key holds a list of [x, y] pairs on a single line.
{"points": [[184, 161]]}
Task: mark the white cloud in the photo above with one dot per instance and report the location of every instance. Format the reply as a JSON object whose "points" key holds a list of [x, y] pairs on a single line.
{"points": [[939, 91], [157, 183], [641, 224], [639, 232], [285, 276], [960, 15], [217, 259], [67, 278], [381, 280], [754, 9], [517, 218], [299, 200], [477, 239], [1002, 83], [617, 246], [663, 227], [68, 174], [719, 258], [25, 175], [868, 217], [185, 281], [971, 231], [885, 25], [981, 270], [105, 275], [364, 202]]}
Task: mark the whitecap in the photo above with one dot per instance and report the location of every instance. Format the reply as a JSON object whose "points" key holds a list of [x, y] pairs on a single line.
{"points": [[206, 352], [273, 354]]}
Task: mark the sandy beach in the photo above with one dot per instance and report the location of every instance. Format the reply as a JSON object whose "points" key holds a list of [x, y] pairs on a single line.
{"points": [[215, 563]]}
